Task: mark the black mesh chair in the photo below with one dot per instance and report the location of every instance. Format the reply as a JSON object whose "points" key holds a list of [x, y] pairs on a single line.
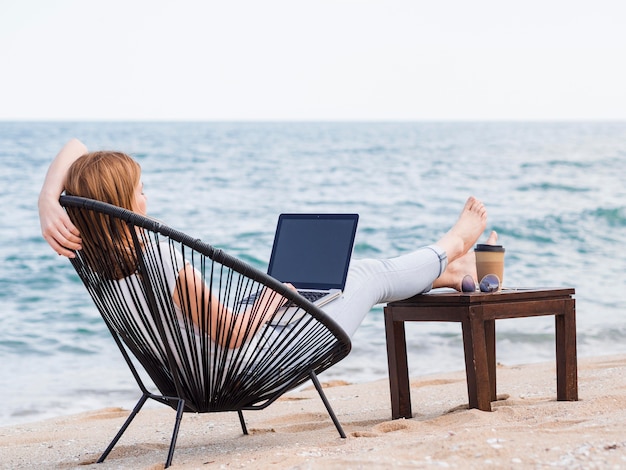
{"points": [[205, 345]]}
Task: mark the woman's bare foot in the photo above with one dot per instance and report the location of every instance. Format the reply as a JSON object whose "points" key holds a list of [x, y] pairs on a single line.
{"points": [[493, 238], [460, 267], [462, 236]]}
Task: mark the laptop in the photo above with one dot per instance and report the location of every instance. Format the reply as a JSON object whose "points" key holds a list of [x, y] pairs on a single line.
{"points": [[313, 252]]}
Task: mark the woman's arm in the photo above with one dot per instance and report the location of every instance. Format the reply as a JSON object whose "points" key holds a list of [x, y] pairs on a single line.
{"points": [[56, 227], [190, 283]]}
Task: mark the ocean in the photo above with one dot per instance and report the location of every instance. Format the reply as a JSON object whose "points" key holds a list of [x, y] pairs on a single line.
{"points": [[555, 193]]}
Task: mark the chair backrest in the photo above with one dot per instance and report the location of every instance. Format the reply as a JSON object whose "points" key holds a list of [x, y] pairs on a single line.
{"points": [[130, 264]]}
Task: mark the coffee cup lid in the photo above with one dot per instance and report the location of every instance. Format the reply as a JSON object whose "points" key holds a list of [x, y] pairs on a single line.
{"points": [[492, 248]]}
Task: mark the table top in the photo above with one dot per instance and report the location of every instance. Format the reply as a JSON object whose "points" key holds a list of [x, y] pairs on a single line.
{"points": [[449, 296]]}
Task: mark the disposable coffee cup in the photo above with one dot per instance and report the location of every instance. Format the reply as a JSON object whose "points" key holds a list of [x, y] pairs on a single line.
{"points": [[490, 260]]}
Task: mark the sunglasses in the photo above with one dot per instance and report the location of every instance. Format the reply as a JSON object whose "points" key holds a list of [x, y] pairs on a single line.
{"points": [[489, 283]]}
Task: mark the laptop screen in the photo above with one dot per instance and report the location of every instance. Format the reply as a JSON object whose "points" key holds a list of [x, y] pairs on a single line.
{"points": [[313, 251]]}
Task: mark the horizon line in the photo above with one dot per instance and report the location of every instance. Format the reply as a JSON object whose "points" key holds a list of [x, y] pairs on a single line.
{"points": [[290, 120]]}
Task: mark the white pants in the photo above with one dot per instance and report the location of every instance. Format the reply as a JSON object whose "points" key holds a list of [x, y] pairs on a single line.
{"points": [[375, 281]]}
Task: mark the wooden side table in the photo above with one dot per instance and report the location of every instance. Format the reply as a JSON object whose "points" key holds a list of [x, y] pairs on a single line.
{"points": [[477, 313]]}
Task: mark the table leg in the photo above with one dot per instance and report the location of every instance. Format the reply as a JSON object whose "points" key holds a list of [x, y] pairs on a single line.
{"points": [[566, 357], [476, 362], [398, 368], [490, 342]]}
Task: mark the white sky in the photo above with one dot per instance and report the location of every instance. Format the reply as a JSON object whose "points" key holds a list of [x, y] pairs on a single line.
{"points": [[312, 60]]}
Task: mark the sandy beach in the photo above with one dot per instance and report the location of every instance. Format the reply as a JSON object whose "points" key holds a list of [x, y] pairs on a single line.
{"points": [[527, 429]]}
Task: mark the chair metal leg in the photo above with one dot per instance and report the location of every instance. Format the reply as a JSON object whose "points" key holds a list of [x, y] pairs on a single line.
{"points": [[243, 422], [179, 416], [180, 408], [132, 415], [318, 386]]}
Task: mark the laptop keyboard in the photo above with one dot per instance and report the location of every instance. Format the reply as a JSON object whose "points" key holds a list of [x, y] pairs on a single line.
{"points": [[311, 296]]}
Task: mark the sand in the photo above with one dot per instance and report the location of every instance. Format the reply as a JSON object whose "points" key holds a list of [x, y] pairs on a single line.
{"points": [[527, 428]]}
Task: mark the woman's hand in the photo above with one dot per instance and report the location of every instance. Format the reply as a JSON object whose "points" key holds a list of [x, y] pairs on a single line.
{"points": [[57, 228], [276, 302]]}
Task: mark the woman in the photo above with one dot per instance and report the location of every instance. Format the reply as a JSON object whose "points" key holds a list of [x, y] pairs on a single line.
{"points": [[370, 282]]}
